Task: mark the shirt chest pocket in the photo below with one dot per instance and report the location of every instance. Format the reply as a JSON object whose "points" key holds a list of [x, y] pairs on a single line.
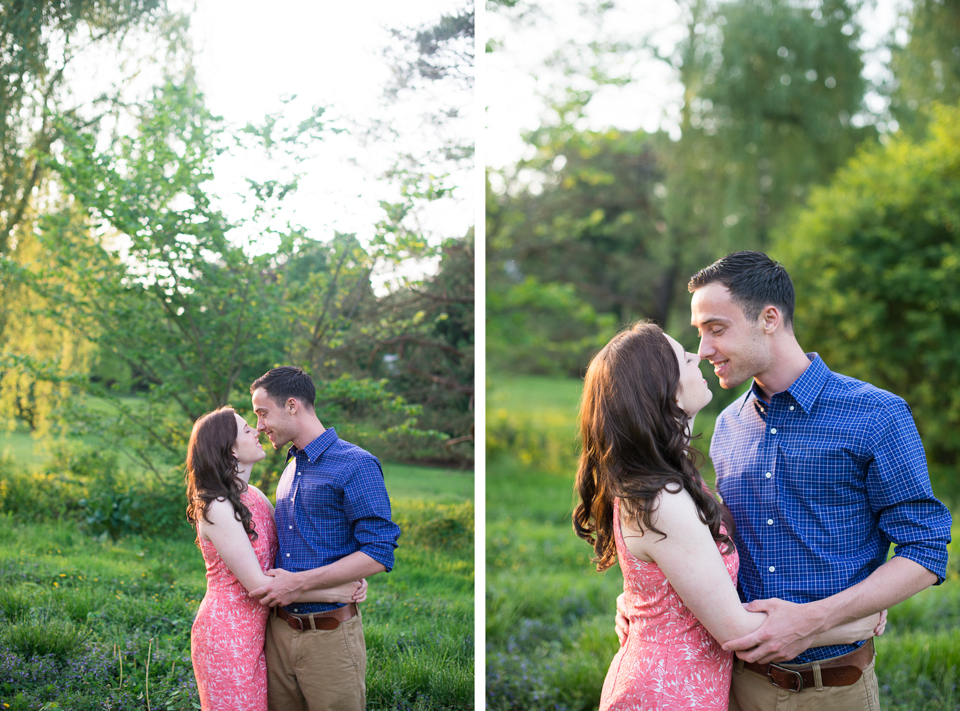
{"points": [[319, 495], [831, 478]]}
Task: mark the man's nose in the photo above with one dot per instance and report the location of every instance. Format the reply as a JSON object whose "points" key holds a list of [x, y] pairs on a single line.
{"points": [[706, 349]]}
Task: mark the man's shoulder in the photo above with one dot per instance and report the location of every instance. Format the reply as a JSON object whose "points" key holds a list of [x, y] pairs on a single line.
{"points": [[843, 389], [350, 458]]}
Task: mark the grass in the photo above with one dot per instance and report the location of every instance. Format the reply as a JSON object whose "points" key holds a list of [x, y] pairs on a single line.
{"points": [[93, 622], [550, 635]]}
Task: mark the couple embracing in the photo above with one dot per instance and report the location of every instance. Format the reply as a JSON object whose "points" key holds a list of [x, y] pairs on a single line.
{"points": [[818, 474], [279, 626]]}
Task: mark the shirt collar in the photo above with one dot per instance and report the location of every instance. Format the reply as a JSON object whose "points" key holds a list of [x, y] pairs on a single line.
{"points": [[804, 390], [317, 447]]}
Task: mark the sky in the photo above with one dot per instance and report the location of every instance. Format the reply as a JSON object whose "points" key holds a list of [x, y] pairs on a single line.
{"points": [[251, 56], [325, 53]]}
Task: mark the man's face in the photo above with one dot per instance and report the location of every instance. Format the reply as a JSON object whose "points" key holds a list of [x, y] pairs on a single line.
{"points": [[272, 419], [735, 347]]}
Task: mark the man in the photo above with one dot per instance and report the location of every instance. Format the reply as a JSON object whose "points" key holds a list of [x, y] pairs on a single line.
{"points": [[821, 472], [333, 525]]}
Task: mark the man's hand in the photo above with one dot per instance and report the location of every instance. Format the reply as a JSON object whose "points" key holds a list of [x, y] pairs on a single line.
{"points": [[789, 630], [282, 590], [622, 622], [361, 594]]}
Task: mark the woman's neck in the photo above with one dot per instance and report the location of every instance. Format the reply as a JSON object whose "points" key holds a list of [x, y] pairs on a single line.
{"points": [[243, 471]]}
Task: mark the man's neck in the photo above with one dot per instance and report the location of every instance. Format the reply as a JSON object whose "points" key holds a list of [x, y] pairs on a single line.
{"points": [[789, 363], [309, 432]]}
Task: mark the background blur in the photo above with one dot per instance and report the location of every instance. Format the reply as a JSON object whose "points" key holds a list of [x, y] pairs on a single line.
{"points": [[650, 140], [191, 194]]}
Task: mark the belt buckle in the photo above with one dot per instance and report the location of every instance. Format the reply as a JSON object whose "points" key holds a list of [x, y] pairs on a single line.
{"points": [[795, 673], [299, 621]]}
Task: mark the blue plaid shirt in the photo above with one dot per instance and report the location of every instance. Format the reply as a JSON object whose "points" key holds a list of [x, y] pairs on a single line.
{"points": [[331, 502], [819, 482]]}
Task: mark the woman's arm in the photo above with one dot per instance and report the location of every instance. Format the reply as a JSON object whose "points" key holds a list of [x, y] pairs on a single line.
{"points": [[850, 632], [689, 557], [234, 547]]}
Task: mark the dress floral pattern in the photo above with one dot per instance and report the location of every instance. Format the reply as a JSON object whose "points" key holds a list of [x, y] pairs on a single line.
{"points": [[227, 639], [669, 662]]}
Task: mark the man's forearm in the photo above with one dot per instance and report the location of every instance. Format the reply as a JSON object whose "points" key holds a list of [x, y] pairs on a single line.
{"points": [[352, 567], [892, 583]]}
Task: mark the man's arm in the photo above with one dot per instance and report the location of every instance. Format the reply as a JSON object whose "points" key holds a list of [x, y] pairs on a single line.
{"points": [[285, 587], [791, 628]]}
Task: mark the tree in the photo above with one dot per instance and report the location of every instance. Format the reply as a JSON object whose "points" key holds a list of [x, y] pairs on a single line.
{"points": [[39, 41], [772, 93], [876, 257], [590, 219], [927, 69]]}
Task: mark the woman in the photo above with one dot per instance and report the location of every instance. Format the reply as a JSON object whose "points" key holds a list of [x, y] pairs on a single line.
{"points": [[238, 539], [643, 502]]}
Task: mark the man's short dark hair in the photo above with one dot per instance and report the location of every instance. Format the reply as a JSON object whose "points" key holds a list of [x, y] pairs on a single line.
{"points": [[754, 280], [287, 382]]}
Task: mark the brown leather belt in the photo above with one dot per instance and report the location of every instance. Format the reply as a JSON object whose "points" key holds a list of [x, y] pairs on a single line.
{"points": [[839, 671], [318, 620]]}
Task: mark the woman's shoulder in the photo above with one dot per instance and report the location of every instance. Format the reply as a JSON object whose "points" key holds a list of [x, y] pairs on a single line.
{"points": [[673, 507]]}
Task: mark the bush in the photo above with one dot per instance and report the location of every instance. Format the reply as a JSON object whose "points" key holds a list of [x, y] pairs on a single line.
{"points": [[437, 526], [877, 258], [85, 484]]}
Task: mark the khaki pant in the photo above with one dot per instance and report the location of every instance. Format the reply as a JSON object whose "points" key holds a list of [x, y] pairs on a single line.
{"points": [[752, 692], [316, 670]]}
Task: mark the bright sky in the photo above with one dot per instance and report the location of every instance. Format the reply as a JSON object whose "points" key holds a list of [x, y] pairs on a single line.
{"points": [[251, 55], [330, 54]]}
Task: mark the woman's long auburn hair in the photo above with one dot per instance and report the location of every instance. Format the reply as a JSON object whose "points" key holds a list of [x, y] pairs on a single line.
{"points": [[212, 468], [634, 441]]}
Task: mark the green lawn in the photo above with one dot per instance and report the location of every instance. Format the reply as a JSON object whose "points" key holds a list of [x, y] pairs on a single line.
{"points": [[89, 622], [550, 633]]}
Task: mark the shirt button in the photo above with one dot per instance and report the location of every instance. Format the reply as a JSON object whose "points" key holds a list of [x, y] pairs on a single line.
{"points": [[288, 555], [769, 521], [773, 430], [299, 473], [791, 408], [771, 569], [768, 475], [290, 527]]}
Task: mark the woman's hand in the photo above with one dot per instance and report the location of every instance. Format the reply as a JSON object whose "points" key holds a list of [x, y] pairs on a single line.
{"points": [[882, 625], [354, 591]]}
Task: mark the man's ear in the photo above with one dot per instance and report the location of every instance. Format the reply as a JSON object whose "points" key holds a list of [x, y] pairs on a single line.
{"points": [[770, 318], [292, 406]]}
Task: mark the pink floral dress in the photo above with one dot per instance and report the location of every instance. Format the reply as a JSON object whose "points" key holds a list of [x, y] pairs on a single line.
{"points": [[227, 639], [669, 662]]}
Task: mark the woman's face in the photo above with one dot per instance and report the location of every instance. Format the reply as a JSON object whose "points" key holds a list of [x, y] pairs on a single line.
{"points": [[247, 448], [693, 393]]}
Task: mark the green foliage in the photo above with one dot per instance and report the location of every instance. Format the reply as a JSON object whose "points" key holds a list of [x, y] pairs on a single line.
{"points": [[878, 256], [586, 215], [84, 484], [40, 39], [927, 69], [545, 329]]}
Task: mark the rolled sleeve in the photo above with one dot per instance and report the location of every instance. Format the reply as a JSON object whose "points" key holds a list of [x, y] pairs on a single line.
{"points": [[900, 492], [367, 507]]}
